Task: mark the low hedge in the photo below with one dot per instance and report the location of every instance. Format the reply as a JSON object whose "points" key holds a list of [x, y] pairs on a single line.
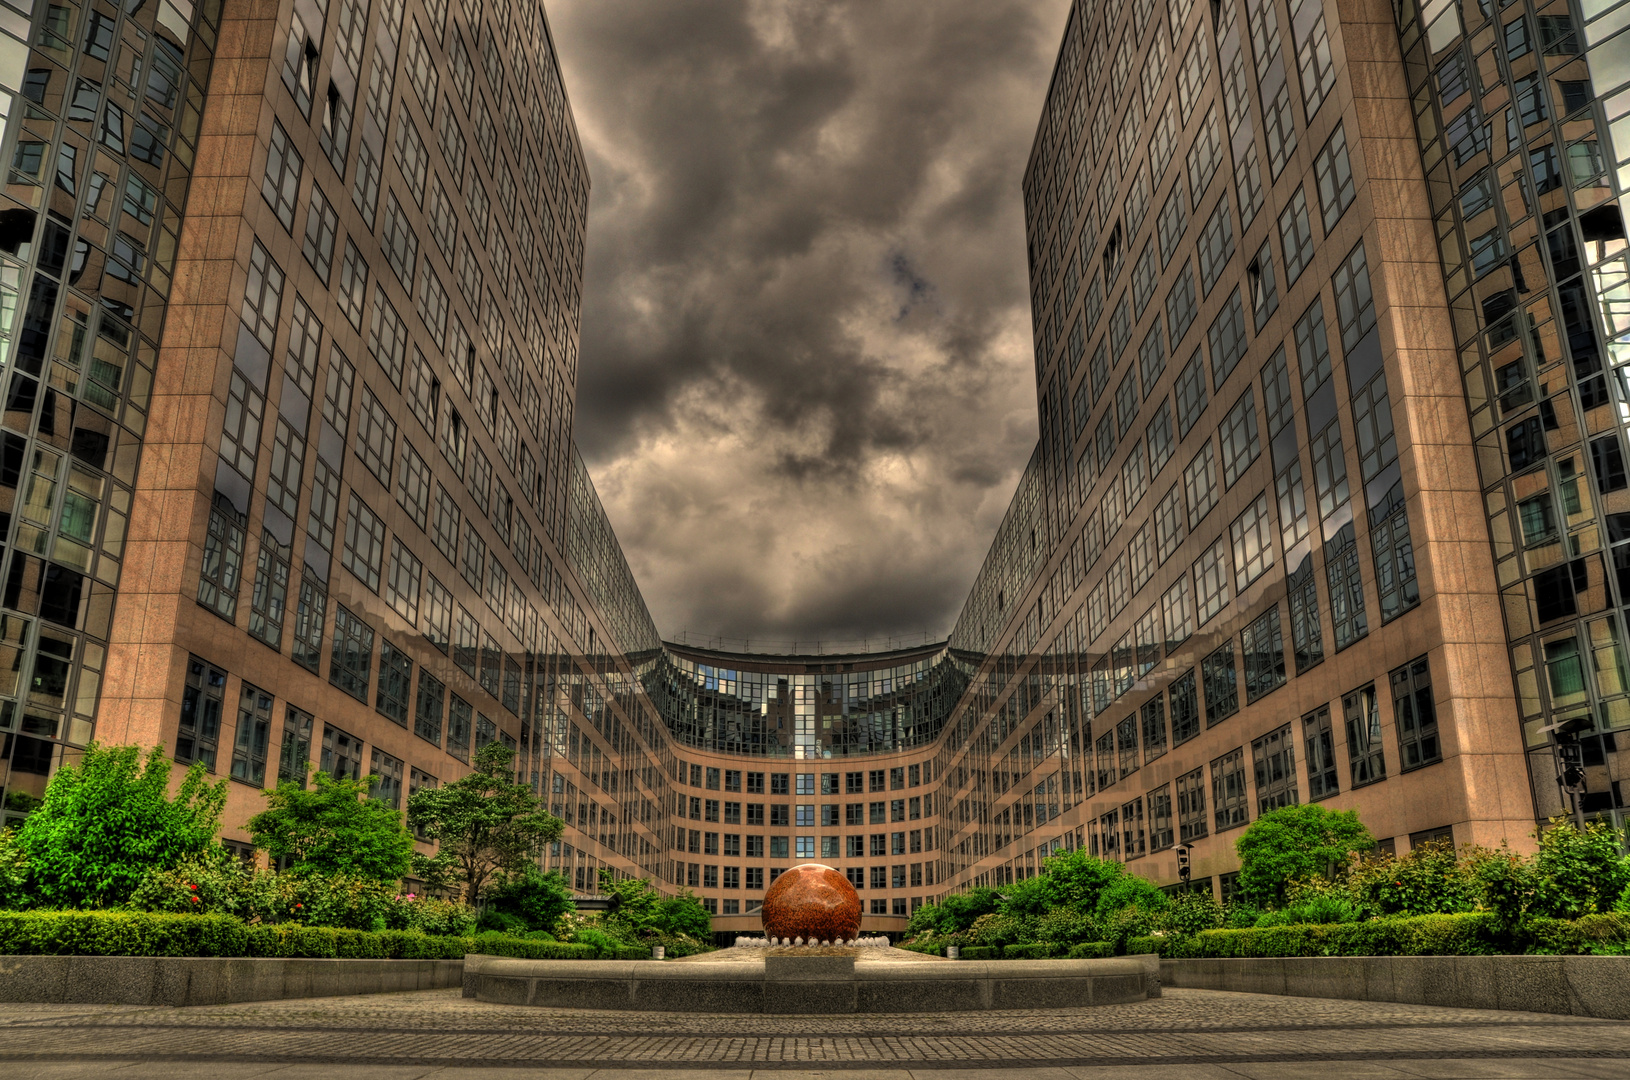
{"points": [[1093, 950], [924, 947], [135, 933], [981, 952], [1476, 933], [1039, 950]]}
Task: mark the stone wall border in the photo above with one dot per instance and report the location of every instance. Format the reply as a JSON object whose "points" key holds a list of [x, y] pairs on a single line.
{"points": [[793, 985], [1597, 986], [186, 980]]}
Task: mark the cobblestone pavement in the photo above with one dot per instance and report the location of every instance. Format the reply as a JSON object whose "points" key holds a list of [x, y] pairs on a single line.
{"points": [[1199, 1034]]}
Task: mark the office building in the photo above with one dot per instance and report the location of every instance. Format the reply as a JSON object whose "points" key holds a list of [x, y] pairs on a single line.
{"points": [[1329, 502]]}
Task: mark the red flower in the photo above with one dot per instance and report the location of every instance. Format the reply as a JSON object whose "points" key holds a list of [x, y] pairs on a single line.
{"points": [[194, 888], [195, 899]]}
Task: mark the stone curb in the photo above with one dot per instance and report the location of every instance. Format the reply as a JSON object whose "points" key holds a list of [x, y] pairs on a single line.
{"points": [[826, 985], [1597, 986], [181, 980]]}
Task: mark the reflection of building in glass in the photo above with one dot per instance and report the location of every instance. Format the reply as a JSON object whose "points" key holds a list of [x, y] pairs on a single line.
{"points": [[1329, 502]]}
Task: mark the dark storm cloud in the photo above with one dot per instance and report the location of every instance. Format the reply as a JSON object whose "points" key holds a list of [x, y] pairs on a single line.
{"points": [[806, 387]]}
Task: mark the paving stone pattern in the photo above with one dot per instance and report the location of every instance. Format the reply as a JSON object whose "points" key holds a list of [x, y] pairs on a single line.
{"points": [[1191, 1029]]}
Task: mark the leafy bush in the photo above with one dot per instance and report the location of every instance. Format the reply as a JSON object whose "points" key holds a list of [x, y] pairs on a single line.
{"points": [[432, 915], [930, 948], [1472, 934], [980, 952], [13, 870], [1092, 950], [1190, 912], [997, 929], [1150, 943], [1578, 872], [109, 820], [1040, 950], [1293, 843], [333, 829], [957, 912], [535, 898], [1067, 926], [1078, 880], [130, 933], [207, 884], [1427, 880]]}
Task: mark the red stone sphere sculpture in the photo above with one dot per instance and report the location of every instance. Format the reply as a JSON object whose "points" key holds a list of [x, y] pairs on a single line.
{"points": [[813, 902]]}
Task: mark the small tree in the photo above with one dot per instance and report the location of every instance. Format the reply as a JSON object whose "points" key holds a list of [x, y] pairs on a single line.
{"points": [[485, 823], [108, 821], [1292, 843], [333, 829]]}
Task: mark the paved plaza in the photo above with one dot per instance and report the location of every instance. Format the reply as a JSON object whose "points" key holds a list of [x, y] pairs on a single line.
{"points": [[1188, 1034]]}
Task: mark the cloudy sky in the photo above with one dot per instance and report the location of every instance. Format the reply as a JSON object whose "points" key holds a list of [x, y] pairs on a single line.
{"points": [[807, 387]]}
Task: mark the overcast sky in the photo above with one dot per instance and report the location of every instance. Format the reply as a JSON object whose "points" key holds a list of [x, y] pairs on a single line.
{"points": [[807, 388]]}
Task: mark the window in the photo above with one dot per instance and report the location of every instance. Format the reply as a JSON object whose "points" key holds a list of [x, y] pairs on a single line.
{"points": [[458, 728], [395, 683], [1191, 394], [240, 428], [1296, 237], [1307, 638], [294, 757], [1221, 688], [1274, 760], [376, 437], [1200, 484], [1216, 245], [1415, 715], [1230, 808], [1312, 349], [438, 617], [1318, 68], [1227, 339], [1191, 807], [1248, 186], [1329, 469], [352, 654], [1204, 155], [1251, 535], [309, 613], [1355, 305], [1319, 739], [203, 700], [1158, 436], [271, 592], [353, 285], [1144, 279], [1335, 178], [1363, 716], [1263, 644], [222, 568], [364, 552], [1171, 224], [1346, 587], [1239, 438], [1181, 308], [1264, 293], [1177, 612], [409, 152], [342, 754], [400, 243], [1126, 403], [281, 184], [1396, 586], [402, 587], [1168, 518], [1151, 359]]}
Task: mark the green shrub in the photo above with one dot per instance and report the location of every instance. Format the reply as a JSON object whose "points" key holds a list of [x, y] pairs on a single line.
{"points": [[1293, 843], [1189, 913], [535, 898], [434, 915], [1149, 943], [1578, 872], [109, 820], [13, 871], [1092, 950], [1067, 926], [980, 952], [1039, 950], [1469, 934], [928, 948]]}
